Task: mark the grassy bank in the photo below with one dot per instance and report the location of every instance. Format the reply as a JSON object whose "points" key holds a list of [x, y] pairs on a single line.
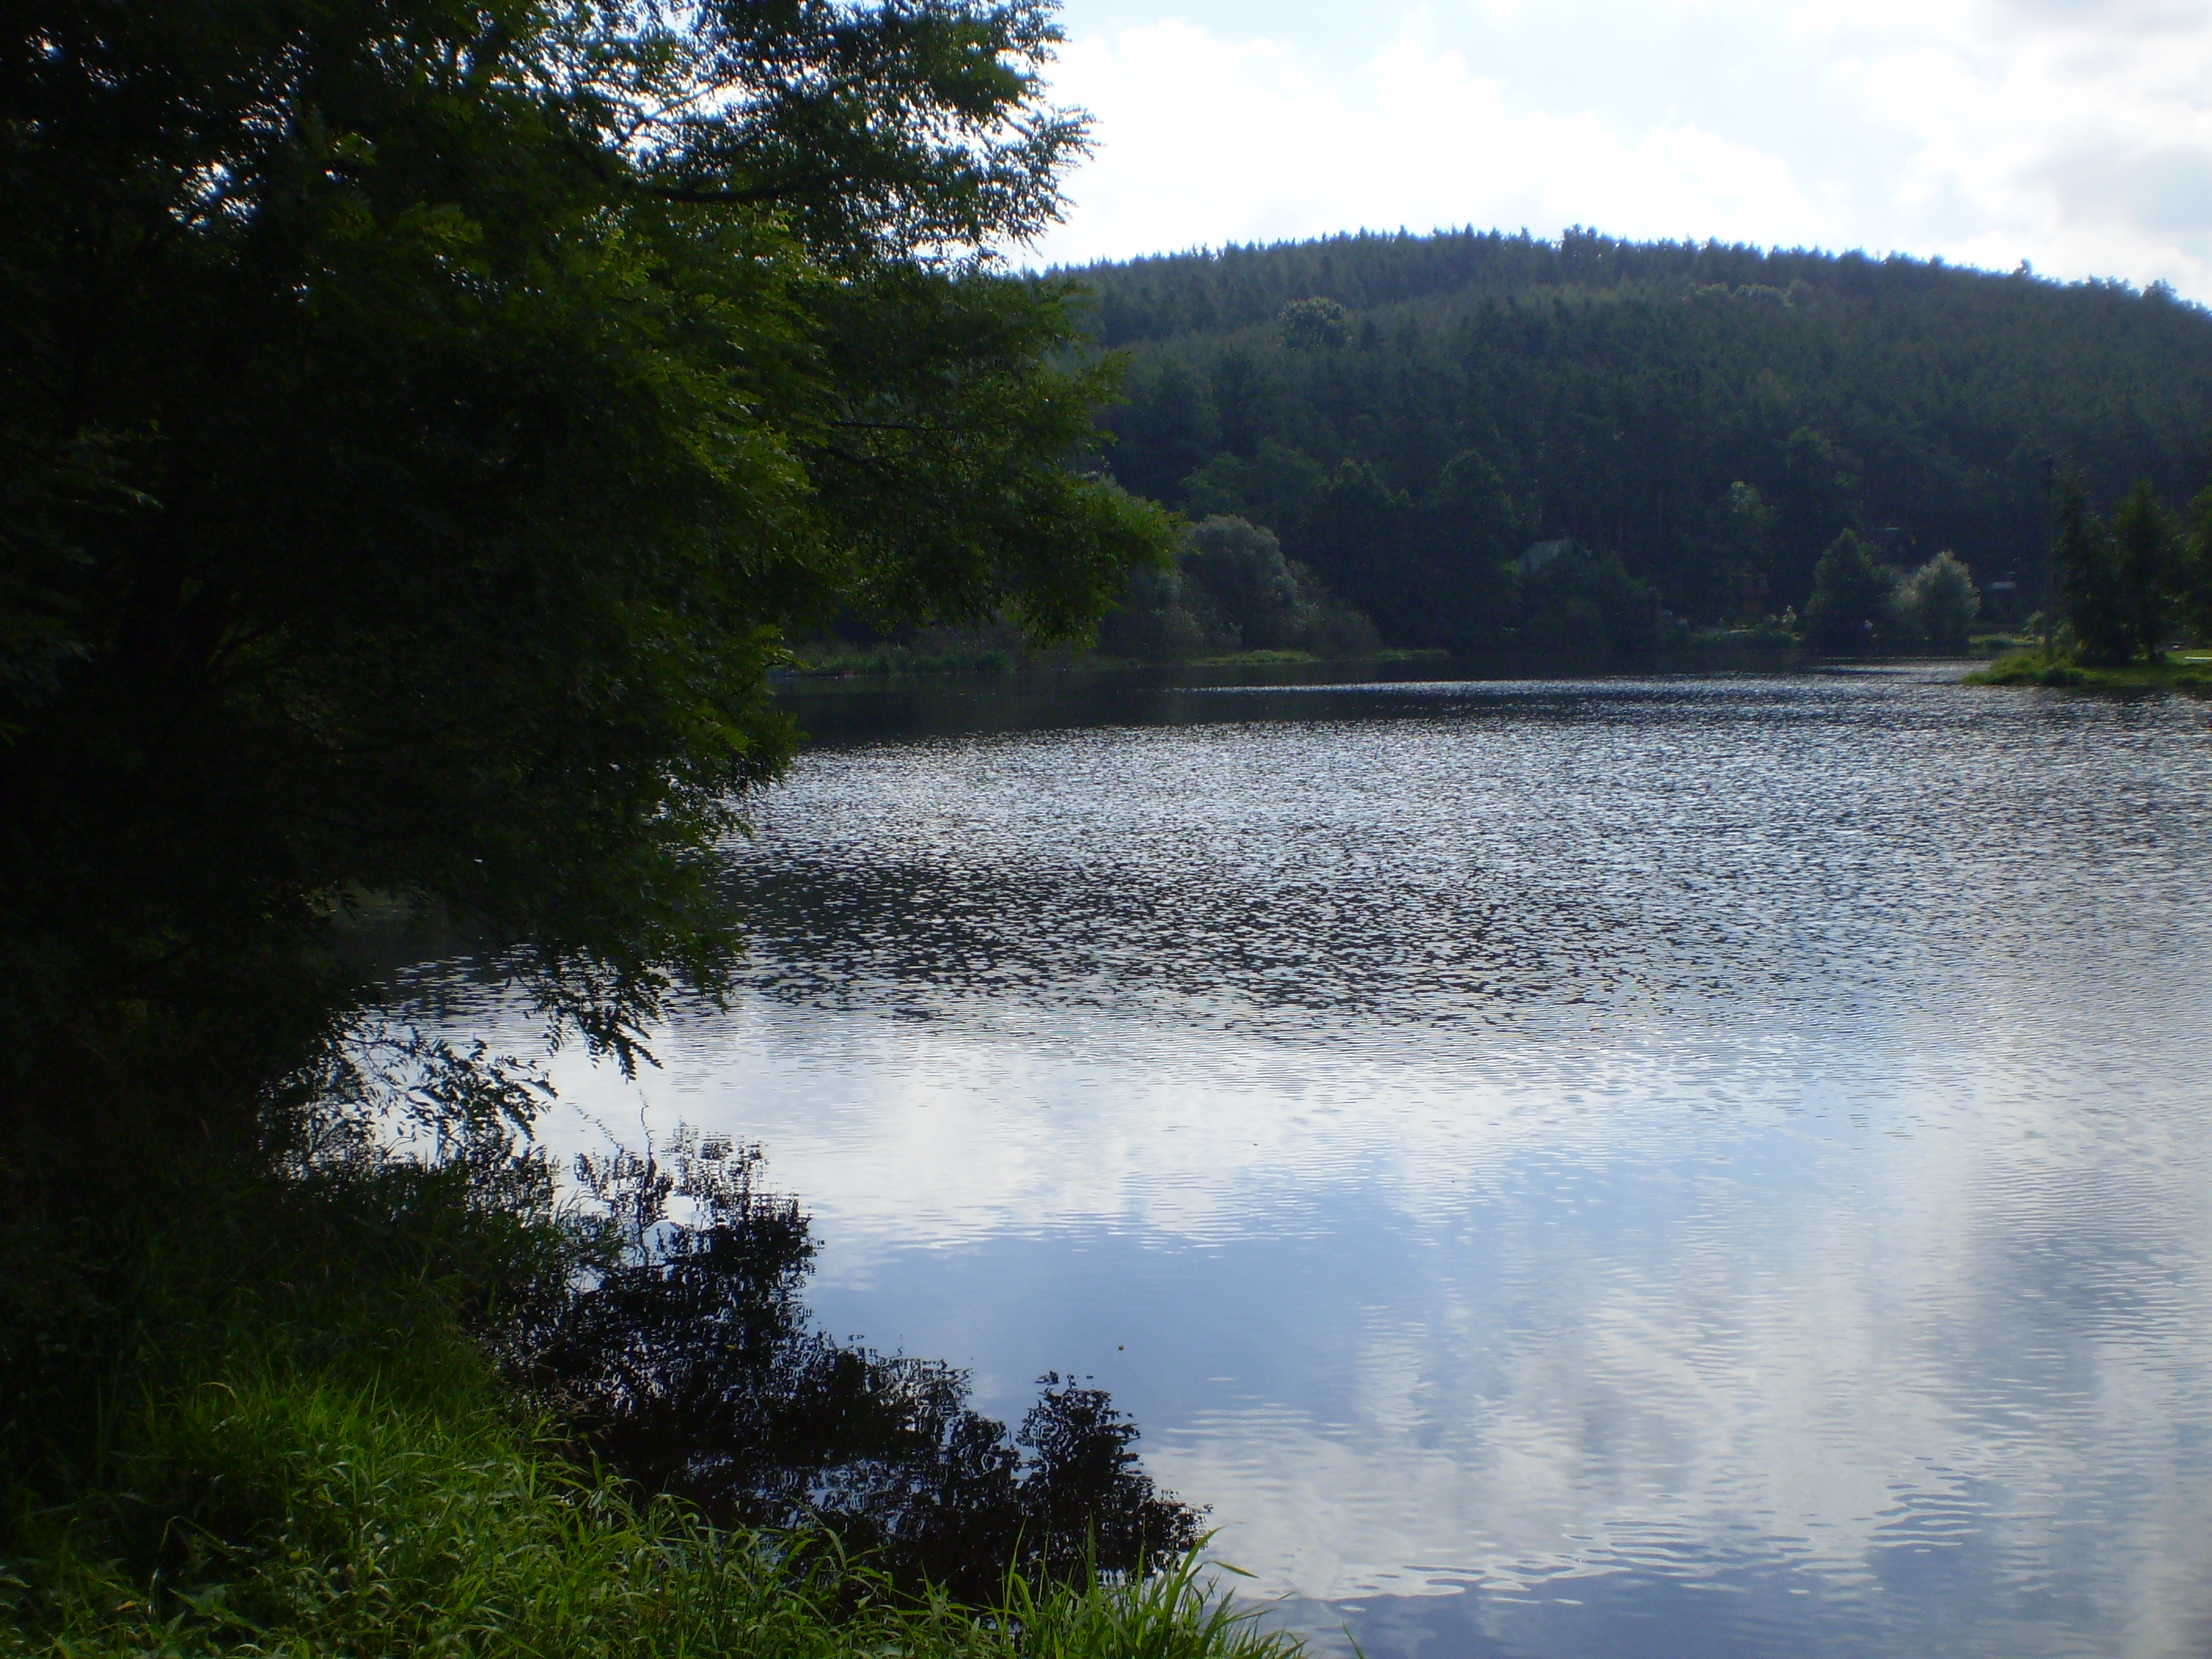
{"points": [[2187, 672], [266, 1416]]}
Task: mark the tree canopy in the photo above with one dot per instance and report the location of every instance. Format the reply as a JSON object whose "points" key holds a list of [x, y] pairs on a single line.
{"points": [[420, 422]]}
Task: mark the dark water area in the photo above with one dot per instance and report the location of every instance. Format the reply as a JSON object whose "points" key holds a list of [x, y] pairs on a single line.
{"points": [[835, 710], [1686, 1166]]}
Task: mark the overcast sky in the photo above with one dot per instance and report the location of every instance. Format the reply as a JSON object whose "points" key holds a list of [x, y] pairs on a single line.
{"points": [[2073, 134]]}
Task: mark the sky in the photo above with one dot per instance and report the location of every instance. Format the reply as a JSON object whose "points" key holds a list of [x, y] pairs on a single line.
{"points": [[2075, 135]]}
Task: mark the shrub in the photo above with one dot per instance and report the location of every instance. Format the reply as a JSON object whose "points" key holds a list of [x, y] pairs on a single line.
{"points": [[279, 1413]]}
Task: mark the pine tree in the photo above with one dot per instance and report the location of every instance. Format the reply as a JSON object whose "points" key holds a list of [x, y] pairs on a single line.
{"points": [[2085, 578], [2144, 566]]}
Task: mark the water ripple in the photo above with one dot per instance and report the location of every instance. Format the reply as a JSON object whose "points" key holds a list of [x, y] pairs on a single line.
{"points": [[1703, 1168]]}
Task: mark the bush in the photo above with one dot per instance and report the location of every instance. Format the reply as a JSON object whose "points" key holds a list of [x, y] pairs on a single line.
{"points": [[690, 1364]]}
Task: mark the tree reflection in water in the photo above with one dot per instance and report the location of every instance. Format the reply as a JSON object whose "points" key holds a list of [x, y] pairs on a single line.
{"points": [[686, 1359]]}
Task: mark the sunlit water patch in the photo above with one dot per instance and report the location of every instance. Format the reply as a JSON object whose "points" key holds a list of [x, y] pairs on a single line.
{"points": [[1669, 1168]]}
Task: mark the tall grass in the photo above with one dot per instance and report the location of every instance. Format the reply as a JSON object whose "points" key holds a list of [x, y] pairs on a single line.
{"points": [[264, 1423]]}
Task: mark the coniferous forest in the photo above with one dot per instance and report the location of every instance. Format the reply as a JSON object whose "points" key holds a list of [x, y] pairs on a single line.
{"points": [[1411, 415]]}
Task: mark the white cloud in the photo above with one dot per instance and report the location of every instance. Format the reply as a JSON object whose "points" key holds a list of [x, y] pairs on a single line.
{"points": [[1206, 141], [2080, 135], [2074, 134]]}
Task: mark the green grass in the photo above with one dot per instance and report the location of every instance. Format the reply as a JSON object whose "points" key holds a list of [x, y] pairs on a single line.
{"points": [[2181, 673], [263, 1422]]}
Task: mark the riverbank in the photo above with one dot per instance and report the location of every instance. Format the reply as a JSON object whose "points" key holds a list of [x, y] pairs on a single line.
{"points": [[1696, 656], [2190, 673], [263, 1415], [848, 662], [1003, 652]]}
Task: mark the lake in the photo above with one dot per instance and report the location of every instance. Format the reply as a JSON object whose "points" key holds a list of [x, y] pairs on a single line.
{"points": [[1698, 1167]]}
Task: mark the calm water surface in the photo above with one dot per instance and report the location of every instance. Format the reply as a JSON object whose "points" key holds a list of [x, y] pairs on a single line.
{"points": [[1694, 1168]]}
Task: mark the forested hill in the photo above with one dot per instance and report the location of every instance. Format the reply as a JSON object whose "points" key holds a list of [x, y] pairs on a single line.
{"points": [[1411, 413]]}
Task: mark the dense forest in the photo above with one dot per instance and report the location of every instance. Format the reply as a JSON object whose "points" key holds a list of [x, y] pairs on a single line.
{"points": [[1411, 415]]}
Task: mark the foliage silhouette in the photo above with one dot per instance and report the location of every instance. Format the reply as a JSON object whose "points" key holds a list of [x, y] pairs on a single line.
{"points": [[688, 1364], [420, 425], [252, 1410]]}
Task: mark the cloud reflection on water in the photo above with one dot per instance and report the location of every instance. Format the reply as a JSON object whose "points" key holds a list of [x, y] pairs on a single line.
{"points": [[1782, 1227]]}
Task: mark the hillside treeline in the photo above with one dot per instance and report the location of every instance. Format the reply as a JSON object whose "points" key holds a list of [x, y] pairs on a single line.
{"points": [[1410, 414]]}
